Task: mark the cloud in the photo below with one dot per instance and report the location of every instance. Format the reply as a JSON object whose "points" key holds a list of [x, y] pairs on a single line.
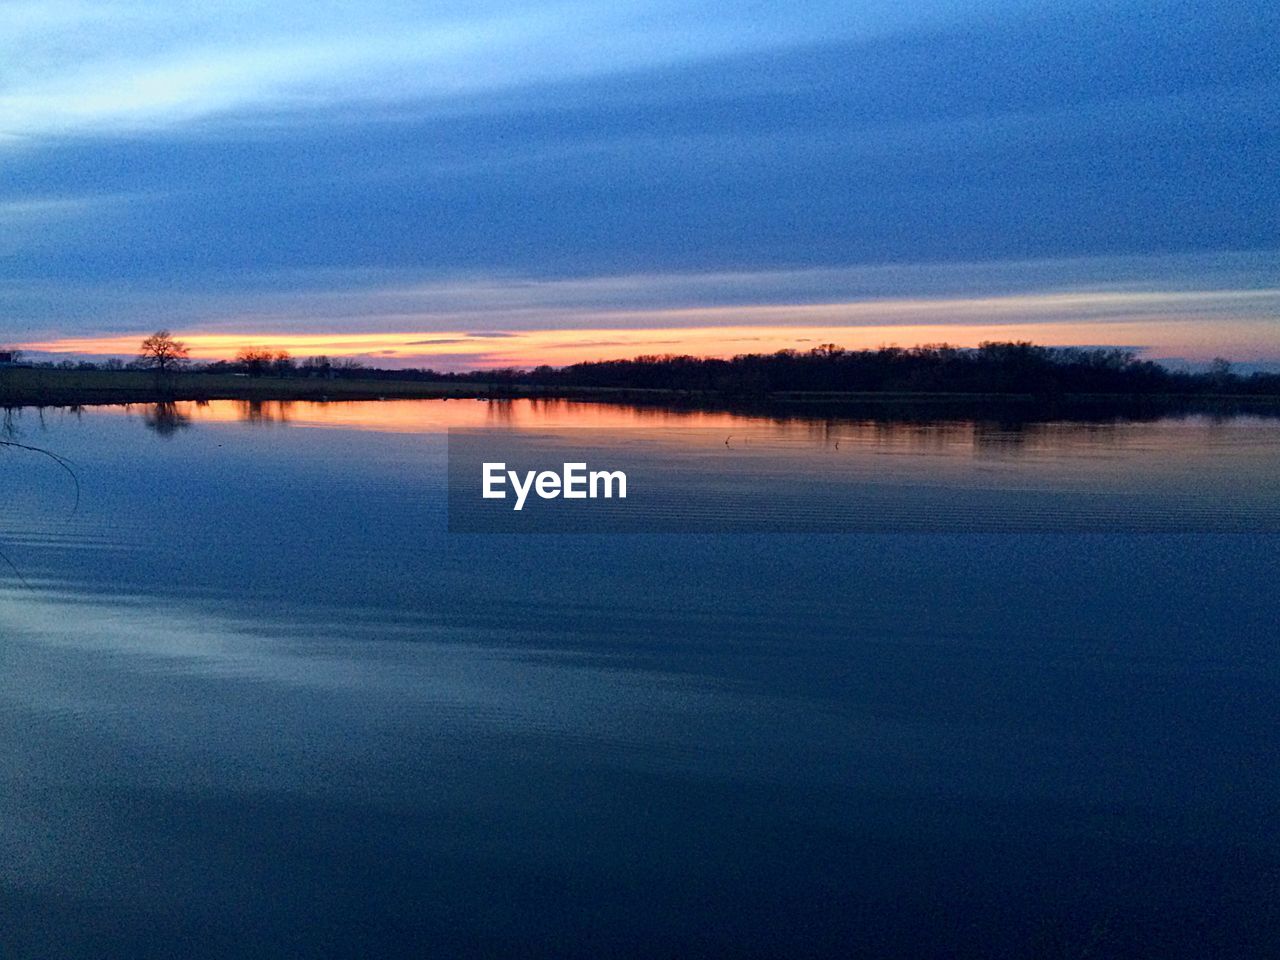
{"points": [[126, 66], [496, 307], [1243, 322], [467, 339], [494, 166]]}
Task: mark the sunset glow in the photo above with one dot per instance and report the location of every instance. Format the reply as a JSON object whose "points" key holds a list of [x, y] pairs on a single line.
{"points": [[528, 348]]}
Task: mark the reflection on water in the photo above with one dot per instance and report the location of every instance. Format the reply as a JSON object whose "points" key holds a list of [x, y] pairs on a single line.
{"points": [[256, 701], [1189, 435], [165, 419]]}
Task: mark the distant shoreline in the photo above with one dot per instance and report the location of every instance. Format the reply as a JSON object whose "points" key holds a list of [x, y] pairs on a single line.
{"points": [[44, 387], [41, 386]]}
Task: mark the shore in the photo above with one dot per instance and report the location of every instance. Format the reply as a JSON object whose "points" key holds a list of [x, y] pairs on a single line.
{"points": [[42, 387], [35, 386]]}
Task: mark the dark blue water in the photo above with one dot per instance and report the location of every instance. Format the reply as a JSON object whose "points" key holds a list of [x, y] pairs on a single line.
{"points": [[256, 702]]}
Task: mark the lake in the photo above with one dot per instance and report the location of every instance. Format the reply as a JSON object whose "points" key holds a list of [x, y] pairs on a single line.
{"points": [[853, 688]]}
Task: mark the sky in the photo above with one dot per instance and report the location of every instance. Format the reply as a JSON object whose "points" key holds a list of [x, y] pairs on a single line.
{"points": [[493, 183]]}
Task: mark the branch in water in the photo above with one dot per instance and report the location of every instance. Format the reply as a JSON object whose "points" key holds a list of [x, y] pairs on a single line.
{"points": [[65, 465], [60, 461]]}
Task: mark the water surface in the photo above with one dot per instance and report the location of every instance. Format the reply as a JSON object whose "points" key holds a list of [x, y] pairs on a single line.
{"points": [[255, 700]]}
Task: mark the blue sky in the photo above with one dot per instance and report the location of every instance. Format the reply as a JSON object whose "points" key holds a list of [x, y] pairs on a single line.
{"points": [[290, 168]]}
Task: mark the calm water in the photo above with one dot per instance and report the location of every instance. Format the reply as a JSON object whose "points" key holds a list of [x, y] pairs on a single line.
{"points": [[255, 701]]}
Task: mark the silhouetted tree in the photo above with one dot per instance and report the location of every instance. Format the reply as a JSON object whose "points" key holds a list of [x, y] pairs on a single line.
{"points": [[320, 366], [348, 366], [255, 361], [162, 353], [1220, 374]]}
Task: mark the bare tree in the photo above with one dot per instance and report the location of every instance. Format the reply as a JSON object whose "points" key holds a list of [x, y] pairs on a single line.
{"points": [[161, 353], [320, 366], [255, 361]]}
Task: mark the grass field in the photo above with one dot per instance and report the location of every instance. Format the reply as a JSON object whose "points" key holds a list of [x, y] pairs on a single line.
{"points": [[23, 386], [42, 387]]}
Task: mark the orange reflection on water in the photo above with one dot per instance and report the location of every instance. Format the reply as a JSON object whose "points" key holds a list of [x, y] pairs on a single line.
{"points": [[1171, 445], [438, 415], [894, 470]]}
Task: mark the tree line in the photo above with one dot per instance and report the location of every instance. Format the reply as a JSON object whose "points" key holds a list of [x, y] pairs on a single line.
{"points": [[992, 367]]}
